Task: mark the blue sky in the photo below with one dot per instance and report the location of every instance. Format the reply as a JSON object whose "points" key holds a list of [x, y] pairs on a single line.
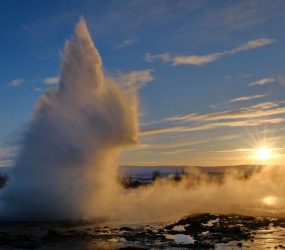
{"points": [[212, 73]]}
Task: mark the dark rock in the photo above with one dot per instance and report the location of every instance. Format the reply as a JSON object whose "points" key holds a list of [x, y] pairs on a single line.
{"points": [[4, 238], [132, 248], [239, 244], [53, 233], [226, 228], [126, 229], [26, 244], [203, 245]]}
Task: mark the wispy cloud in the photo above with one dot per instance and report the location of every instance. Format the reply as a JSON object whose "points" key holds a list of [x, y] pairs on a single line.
{"points": [[163, 130], [165, 57], [247, 98], [16, 82], [196, 59], [244, 15], [177, 151], [252, 45], [135, 79], [254, 115], [242, 150], [124, 43], [280, 78], [199, 60], [181, 129], [179, 145], [260, 110], [173, 145], [129, 16], [262, 81], [204, 59], [7, 155], [51, 80], [37, 89]]}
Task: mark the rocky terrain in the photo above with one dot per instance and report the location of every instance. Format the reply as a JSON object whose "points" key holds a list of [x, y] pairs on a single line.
{"points": [[203, 231]]}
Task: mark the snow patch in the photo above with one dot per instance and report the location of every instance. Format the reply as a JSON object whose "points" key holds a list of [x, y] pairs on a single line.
{"points": [[210, 223], [179, 228], [180, 238]]}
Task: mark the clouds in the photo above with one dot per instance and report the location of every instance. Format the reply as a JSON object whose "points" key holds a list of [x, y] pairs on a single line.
{"points": [[255, 111], [163, 130], [132, 15], [252, 45], [51, 80], [263, 113], [17, 82], [212, 125], [280, 79], [135, 79], [262, 81], [37, 89], [199, 60], [240, 16], [247, 98], [177, 146], [173, 145], [124, 43], [196, 60], [7, 155], [165, 57]]}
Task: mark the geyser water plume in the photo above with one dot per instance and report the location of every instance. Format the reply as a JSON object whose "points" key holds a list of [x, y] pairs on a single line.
{"points": [[67, 164]]}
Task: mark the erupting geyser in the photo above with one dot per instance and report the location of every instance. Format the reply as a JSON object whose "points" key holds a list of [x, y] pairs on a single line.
{"points": [[67, 164]]}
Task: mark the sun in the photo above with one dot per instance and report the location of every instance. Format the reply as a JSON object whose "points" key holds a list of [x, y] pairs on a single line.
{"points": [[263, 154], [269, 200], [264, 149]]}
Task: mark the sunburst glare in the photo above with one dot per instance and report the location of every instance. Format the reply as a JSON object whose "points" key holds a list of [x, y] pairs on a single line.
{"points": [[263, 153], [269, 200]]}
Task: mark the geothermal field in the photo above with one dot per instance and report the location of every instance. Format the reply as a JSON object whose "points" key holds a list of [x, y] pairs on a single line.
{"points": [[88, 173]]}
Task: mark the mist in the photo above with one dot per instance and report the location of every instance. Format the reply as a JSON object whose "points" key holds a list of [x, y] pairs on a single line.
{"points": [[261, 194], [67, 167]]}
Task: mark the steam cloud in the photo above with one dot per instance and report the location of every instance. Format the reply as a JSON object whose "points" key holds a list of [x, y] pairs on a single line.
{"points": [[67, 167], [73, 141]]}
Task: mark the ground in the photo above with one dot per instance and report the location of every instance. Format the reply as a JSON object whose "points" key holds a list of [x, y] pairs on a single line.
{"points": [[202, 231]]}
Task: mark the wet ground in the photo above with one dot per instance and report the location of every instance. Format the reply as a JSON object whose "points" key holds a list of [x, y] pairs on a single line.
{"points": [[204, 231]]}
